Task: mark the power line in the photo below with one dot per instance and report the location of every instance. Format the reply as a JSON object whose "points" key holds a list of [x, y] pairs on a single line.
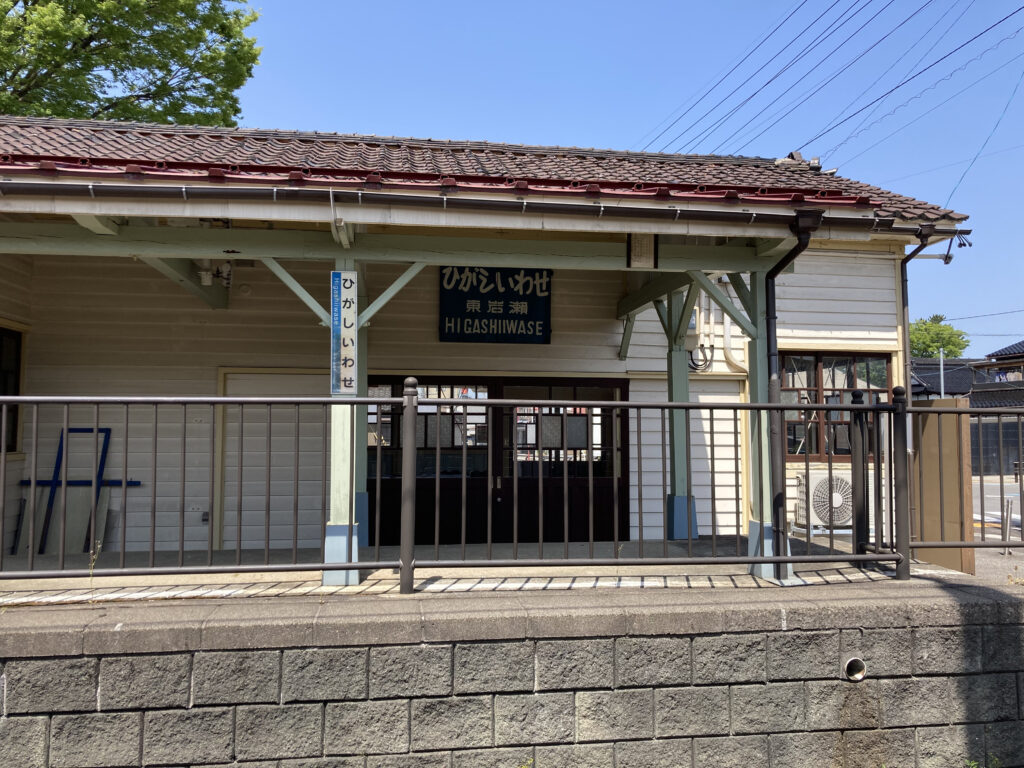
{"points": [[898, 60], [804, 31], [833, 27], [990, 314], [984, 144], [764, 40], [948, 165], [923, 91], [925, 114], [913, 77], [822, 83]]}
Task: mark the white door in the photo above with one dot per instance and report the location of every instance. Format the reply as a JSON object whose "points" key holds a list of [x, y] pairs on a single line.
{"points": [[288, 482]]}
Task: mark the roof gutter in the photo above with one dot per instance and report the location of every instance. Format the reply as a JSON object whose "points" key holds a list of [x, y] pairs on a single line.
{"points": [[807, 221], [442, 200]]}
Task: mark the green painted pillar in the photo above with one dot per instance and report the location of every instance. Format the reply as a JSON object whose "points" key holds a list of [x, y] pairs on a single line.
{"points": [[760, 536], [349, 505], [680, 510]]}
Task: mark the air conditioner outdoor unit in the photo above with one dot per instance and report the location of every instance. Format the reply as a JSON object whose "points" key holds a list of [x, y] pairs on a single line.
{"points": [[831, 505]]}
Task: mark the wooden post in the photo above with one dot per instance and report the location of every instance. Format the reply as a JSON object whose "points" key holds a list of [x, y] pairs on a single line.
{"points": [[760, 534]]}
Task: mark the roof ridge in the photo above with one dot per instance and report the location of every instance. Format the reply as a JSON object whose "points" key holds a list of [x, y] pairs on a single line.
{"points": [[463, 144], [25, 142]]}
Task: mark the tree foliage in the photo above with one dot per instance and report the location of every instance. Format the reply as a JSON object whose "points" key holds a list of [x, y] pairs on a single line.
{"points": [[165, 61], [929, 335]]}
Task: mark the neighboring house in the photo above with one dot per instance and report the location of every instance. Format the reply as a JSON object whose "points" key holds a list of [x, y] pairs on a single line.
{"points": [[164, 260], [1003, 385], [955, 377], [995, 381]]}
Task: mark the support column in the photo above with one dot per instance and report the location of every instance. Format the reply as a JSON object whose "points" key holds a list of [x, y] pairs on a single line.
{"points": [[761, 537], [680, 510], [679, 505], [347, 463]]}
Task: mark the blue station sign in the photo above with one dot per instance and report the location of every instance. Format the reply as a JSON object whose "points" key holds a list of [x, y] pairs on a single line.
{"points": [[495, 305], [344, 330]]}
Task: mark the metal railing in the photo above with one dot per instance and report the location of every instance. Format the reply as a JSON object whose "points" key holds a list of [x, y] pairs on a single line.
{"points": [[194, 489], [211, 485]]}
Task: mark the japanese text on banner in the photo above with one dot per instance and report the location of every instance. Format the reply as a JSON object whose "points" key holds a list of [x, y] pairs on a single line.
{"points": [[344, 333]]}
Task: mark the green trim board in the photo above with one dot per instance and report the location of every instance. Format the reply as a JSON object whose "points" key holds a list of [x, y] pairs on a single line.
{"points": [[724, 302], [261, 244], [656, 288]]}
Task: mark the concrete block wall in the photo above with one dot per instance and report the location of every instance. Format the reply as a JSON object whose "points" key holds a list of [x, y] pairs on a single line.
{"points": [[593, 678], [934, 697]]}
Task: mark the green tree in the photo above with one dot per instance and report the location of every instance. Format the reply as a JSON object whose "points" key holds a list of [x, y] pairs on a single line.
{"points": [[164, 61], [928, 335]]}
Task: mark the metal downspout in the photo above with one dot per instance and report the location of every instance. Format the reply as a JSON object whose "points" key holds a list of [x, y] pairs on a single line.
{"points": [[924, 234], [807, 221]]}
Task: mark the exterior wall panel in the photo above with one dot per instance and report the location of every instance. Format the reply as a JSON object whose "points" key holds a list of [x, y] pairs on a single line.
{"points": [[112, 326], [15, 288]]}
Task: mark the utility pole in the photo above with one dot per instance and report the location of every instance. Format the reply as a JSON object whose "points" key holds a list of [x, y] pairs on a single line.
{"points": [[942, 373]]}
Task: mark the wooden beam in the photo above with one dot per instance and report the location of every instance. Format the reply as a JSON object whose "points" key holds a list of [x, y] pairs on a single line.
{"points": [[723, 301], [182, 272], [167, 242], [341, 232], [684, 321], [305, 245], [389, 293], [381, 212], [775, 248], [657, 288], [305, 296], [98, 225], [627, 335], [664, 317], [742, 292]]}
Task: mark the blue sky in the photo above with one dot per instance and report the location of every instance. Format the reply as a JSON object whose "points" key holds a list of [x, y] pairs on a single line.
{"points": [[614, 74]]}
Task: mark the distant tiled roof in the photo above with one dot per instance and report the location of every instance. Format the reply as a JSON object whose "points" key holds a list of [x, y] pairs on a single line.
{"points": [[958, 373], [108, 149], [1011, 397], [1014, 350]]}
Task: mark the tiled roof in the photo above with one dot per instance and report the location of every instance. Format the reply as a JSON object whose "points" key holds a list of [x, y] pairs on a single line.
{"points": [[958, 373], [1011, 397], [98, 148], [1014, 350]]}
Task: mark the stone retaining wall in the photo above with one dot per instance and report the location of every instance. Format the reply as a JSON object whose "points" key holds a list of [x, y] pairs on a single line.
{"points": [[934, 696]]}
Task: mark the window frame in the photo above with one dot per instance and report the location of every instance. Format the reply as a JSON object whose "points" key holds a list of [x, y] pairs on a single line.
{"points": [[821, 424]]}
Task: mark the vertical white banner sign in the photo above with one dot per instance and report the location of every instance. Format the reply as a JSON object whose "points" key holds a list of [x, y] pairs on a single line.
{"points": [[344, 321]]}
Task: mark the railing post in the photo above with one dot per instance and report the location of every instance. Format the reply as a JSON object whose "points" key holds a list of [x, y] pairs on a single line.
{"points": [[858, 459], [407, 533], [901, 475]]}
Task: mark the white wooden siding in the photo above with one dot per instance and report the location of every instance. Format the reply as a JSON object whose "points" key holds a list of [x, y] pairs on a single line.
{"points": [[584, 332], [113, 326], [655, 458], [840, 301], [15, 288], [308, 459]]}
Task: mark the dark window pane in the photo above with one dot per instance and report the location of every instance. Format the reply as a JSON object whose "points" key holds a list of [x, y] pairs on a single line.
{"points": [[10, 381]]}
